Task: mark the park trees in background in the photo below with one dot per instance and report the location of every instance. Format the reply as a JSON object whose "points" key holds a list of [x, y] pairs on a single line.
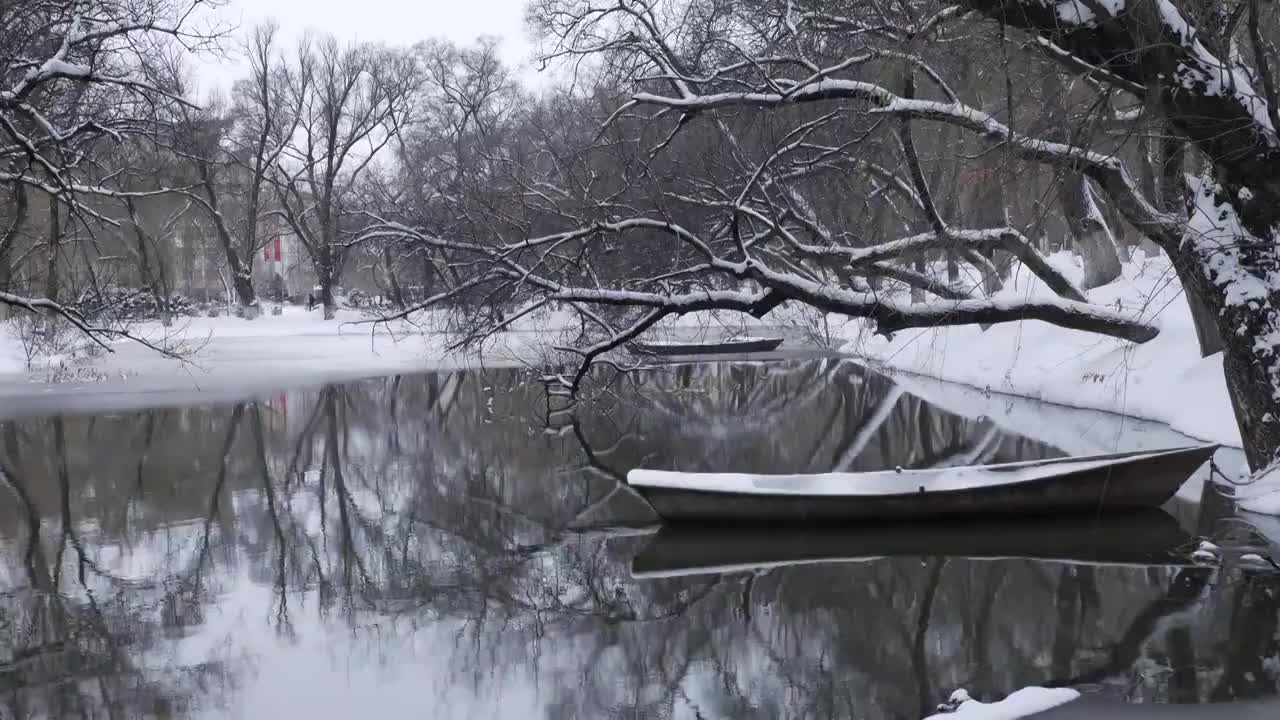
{"points": [[889, 161]]}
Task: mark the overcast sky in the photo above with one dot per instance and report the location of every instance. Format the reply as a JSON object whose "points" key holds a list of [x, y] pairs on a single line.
{"points": [[395, 22]]}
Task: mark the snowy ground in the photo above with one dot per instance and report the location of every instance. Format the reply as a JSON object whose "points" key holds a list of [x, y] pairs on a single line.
{"points": [[1164, 380], [227, 358], [12, 359]]}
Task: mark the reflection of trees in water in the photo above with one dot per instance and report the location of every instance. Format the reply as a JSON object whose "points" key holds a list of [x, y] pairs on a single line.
{"points": [[400, 503], [73, 631]]}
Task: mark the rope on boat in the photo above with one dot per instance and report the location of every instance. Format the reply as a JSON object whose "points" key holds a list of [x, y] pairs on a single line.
{"points": [[1214, 469], [1239, 483]]}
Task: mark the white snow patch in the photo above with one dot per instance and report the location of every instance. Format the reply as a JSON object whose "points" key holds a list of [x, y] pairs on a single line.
{"points": [[1215, 230], [1254, 560], [231, 358], [1218, 77], [1204, 557], [12, 359], [1075, 12], [56, 66], [1020, 704], [1268, 504], [1262, 492]]}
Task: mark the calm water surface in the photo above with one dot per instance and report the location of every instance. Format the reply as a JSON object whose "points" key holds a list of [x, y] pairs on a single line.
{"points": [[419, 547]]}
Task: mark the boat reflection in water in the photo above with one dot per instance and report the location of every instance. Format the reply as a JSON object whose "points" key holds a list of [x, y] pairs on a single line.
{"points": [[1137, 539]]}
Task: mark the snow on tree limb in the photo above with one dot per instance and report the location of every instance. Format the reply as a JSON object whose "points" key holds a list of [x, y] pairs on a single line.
{"points": [[98, 334], [1105, 169], [78, 74], [1211, 99], [505, 266], [1200, 87]]}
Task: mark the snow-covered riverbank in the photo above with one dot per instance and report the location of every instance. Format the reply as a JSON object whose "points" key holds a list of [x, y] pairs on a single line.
{"points": [[228, 358], [1164, 380]]}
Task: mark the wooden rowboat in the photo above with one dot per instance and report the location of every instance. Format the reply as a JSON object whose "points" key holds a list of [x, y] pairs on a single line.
{"points": [[1118, 481], [726, 347], [1138, 538]]}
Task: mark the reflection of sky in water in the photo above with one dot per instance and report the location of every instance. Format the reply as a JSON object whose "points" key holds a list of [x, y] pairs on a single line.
{"points": [[328, 669], [430, 576]]}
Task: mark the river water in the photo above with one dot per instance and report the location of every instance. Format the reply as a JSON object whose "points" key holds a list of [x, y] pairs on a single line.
{"points": [[458, 545]]}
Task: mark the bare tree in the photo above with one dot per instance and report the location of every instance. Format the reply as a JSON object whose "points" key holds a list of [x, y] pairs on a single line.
{"points": [[17, 218], [1193, 75], [350, 103], [150, 239], [664, 215], [229, 151], [73, 74], [805, 81], [1093, 237]]}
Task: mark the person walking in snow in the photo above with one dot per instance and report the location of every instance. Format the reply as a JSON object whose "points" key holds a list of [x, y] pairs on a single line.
{"points": [[311, 302]]}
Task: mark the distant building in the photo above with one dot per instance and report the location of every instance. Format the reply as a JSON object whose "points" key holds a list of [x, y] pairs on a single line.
{"points": [[282, 268]]}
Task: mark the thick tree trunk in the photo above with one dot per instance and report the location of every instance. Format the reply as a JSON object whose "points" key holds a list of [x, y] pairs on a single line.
{"points": [[51, 257], [242, 286], [241, 268], [1173, 199], [9, 239], [157, 287], [1252, 377], [397, 295], [325, 277], [1093, 239], [1250, 328], [1161, 53]]}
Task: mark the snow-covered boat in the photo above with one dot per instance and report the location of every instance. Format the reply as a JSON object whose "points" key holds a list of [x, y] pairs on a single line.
{"points": [[721, 347], [1117, 481], [1139, 538]]}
